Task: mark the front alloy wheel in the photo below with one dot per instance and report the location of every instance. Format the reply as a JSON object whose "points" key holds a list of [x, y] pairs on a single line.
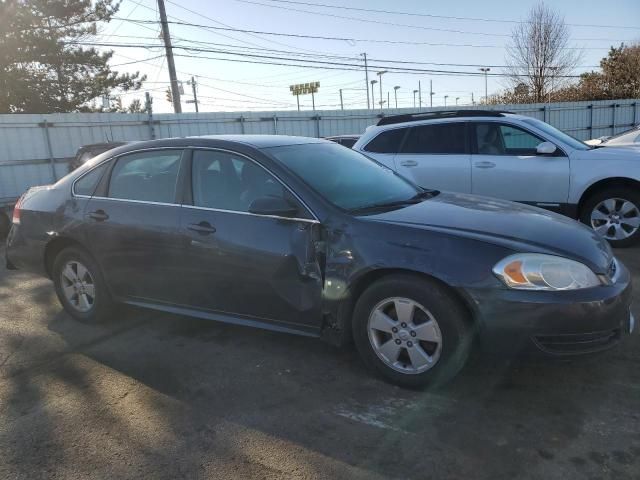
{"points": [[405, 335]]}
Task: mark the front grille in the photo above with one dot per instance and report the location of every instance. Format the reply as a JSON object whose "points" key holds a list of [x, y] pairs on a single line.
{"points": [[574, 343]]}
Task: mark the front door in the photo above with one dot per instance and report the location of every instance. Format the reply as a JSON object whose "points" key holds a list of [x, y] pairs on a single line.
{"points": [[132, 225], [239, 263], [435, 156], [506, 165]]}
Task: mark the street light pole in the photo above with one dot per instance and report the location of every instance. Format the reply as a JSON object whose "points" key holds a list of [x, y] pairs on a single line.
{"points": [[457, 98], [366, 77], [445, 100], [486, 95], [414, 98], [342, 104], [373, 97], [395, 92], [380, 80]]}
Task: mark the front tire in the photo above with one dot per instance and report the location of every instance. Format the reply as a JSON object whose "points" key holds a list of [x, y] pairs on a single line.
{"points": [[412, 331], [615, 215], [80, 286]]}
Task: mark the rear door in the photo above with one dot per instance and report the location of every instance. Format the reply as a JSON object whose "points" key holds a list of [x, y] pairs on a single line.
{"points": [[245, 264], [436, 156], [506, 165], [132, 225]]}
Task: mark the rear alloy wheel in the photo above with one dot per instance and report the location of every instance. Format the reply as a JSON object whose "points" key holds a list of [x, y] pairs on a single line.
{"points": [[412, 330], [80, 286], [614, 215]]}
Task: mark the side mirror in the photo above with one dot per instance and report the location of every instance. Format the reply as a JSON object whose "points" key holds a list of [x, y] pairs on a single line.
{"points": [[546, 148], [277, 206]]}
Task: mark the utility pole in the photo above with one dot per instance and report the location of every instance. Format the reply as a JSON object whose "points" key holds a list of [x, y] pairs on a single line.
{"points": [[175, 92], [395, 92], [414, 98], [431, 93], [419, 95], [486, 95], [342, 104], [366, 77], [195, 95], [473, 102], [445, 100], [457, 98], [373, 97], [388, 99]]}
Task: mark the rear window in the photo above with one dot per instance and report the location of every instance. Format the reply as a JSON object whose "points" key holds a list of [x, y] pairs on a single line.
{"points": [[387, 142], [443, 138], [87, 184]]}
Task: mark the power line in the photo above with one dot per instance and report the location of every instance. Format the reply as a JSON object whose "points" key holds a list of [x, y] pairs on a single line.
{"points": [[345, 39], [429, 15], [381, 22]]}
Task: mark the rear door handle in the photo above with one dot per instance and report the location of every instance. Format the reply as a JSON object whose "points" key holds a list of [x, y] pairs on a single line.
{"points": [[98, 215], [203, 228], [484, 164], [409, 163]]}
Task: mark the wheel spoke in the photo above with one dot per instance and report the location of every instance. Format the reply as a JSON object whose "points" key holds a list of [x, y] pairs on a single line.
{"points": [[83, 302], [427, 332], [82, 272], [632, 221], [381, 321], [390, 350], [603, 229], [69, 274], [610, 205], [69, 292], [90, 290], [598, 215], [404, 310], [627, 207], [419, 358], [619, 233]]}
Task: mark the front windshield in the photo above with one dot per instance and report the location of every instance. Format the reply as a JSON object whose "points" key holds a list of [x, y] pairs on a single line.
{"points": [[344, 177], [557, 134]]}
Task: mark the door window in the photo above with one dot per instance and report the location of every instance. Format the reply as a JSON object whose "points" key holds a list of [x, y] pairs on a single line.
{"points": [[500, 139], [442, 138], [148, 176], [226, 181], [387, 142], [87, 184]]}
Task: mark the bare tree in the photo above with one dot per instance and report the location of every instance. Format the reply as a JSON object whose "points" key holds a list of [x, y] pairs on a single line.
{"points": [[539, 55]]}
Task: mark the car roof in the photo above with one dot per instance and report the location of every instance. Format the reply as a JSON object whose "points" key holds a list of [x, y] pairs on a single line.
{"points": [[448, 115]]}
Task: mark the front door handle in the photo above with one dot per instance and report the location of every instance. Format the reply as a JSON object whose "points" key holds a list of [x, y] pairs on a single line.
{"points": [[98, 215], [203, 228], [409, 163], [484, 164]]}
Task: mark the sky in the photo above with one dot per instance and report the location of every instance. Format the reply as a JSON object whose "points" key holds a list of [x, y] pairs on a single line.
{"points": [[477, 37]]}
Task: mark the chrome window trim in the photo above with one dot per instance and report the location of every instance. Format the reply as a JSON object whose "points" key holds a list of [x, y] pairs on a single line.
{"points": [[315, 219], [277, 217], [302, 202]]}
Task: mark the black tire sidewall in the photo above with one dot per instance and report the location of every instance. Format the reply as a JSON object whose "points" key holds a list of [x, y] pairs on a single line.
{"points": [[620, 192], [102, 301], [452, 319]]}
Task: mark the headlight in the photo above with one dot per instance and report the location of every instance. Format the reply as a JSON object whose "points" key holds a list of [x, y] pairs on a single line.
{"points": [[535, 271]]}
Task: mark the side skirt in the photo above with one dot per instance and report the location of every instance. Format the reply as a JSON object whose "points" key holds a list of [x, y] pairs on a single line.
{"points": [[228, 318]]}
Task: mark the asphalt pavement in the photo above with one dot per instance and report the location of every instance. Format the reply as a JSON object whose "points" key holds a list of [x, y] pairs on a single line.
{"points": [[156, 396]]}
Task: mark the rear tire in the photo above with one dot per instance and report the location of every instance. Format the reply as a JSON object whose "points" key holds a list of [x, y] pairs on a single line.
{"points": [[614, 212], [80, 286], [412, 331]]}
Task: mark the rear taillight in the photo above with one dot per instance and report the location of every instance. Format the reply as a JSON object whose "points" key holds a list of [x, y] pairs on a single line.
{"points": [[16, 211]]}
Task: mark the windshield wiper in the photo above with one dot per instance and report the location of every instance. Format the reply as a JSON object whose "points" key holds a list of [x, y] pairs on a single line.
{"points": [[417, 198]]}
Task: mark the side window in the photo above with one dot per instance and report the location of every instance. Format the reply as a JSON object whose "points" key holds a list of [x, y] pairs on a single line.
{"points": [[442, 138], [227, 181], [500, 139], [387, 142], [87, 184], [148, 176]]}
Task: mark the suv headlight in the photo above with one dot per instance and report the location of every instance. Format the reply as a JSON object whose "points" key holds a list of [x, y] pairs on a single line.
{"points": [[536, 271]]}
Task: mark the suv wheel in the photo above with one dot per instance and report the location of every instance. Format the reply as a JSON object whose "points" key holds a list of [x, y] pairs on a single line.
{"points": [[412, 331], [80, 286], [615, 215]]}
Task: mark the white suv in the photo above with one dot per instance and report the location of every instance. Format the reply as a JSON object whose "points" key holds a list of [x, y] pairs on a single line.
{"points": [[509, 156]]}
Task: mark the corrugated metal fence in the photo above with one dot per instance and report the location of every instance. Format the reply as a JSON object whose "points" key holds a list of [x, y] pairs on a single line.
{"points": [[34, 149]]}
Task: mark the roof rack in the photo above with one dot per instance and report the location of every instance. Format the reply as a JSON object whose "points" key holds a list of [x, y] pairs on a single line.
{"points": [[413, 117]]}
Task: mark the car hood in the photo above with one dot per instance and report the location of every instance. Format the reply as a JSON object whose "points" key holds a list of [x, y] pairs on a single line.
{"points": [[516, 226], [604, 152]]}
